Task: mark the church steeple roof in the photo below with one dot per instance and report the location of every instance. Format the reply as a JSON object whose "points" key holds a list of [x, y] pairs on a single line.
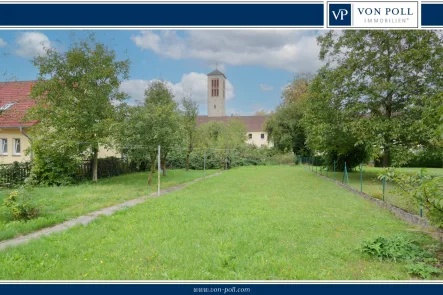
{"points": [[216, 73]]}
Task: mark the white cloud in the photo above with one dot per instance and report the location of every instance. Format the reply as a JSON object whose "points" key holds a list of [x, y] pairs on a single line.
{"points": [[30, 44], [2, 43], [266, 87], [192, 84], [294, 51]]}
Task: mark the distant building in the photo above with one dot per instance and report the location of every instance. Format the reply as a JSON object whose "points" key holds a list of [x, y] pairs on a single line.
{"points": [[216, 111]]}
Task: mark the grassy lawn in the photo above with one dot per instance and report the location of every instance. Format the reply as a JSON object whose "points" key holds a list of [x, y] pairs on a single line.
{"points": [[373, 186], [250, 223], [59, 204]]}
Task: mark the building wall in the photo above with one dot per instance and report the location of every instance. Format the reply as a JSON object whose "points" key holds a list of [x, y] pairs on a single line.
{"points": [[10, 135], [257, 140], [10, 157], [104, 153], [217, 101]]}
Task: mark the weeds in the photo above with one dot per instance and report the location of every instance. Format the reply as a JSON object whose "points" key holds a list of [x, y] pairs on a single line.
{"points": [[422, 261]]}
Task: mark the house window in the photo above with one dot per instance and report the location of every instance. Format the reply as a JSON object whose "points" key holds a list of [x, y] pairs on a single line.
{"points": [[17, 146], [4, 147], [262, 136], [6, 106], [250, 135], [215, 107]]}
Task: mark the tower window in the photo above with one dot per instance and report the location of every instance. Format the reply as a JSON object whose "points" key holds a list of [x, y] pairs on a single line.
{"points": [[215, 85], [215, 106]]}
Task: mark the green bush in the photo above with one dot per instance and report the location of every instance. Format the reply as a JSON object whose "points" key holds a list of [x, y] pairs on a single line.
{"points": [[108, 167], [397, 248], [353, 158], [217, 158], [20, 205], [421, 262], [422, 188], [423, 270], [53, 166], [426, 159], [282, 159]]}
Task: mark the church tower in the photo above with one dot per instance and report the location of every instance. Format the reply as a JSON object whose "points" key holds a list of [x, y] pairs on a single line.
{"points": [[216, 94]]}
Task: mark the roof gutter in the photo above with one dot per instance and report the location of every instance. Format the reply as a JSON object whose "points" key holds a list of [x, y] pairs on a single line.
{"points": [[29, 138]]}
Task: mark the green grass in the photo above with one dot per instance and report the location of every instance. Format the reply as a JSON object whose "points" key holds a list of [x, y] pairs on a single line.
{"points": [[59, 204], [373, 186], [250, 223]]}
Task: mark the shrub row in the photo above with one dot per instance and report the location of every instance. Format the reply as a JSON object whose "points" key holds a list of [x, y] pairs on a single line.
{"points": [[218, 159], [16, 173]]}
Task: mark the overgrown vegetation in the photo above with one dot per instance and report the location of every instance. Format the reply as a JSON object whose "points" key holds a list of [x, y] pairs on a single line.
{"points": [[20, 206], [423, 189], [420, 262], [245, 155]]}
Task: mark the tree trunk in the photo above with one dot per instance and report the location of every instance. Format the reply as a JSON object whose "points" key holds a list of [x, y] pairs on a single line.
{"points": [[187, 155], [94, 165], [386, 157], [187, 161], [163, 162], [163, 166], [151, 171]]}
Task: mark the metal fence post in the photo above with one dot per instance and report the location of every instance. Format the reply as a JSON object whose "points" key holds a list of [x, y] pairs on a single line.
{"points": [[421, 182], [158, 168], [361, 178], [316, 167], [204, 164], [226, 160], [384, 185], [335, 178]]}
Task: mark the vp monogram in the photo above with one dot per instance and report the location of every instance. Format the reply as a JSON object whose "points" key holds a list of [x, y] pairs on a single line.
{"points": [[340, 14]]}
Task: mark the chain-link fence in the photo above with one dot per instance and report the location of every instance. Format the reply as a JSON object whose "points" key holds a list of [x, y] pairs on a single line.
{"points": [[365, 178]]}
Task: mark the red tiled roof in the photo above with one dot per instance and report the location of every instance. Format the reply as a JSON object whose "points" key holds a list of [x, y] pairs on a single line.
{"points": [[18, 93], [253, 123]]}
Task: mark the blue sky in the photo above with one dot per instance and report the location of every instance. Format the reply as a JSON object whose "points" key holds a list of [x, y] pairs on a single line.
{"points": [[257, 63]]}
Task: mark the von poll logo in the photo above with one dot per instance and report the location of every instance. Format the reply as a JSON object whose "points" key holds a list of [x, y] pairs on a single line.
{"points": [[340, 14], [373, 14]]}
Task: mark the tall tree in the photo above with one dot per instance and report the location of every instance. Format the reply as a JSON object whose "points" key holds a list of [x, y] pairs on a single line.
{"points": [[75, 94], [222, 138], [382, 79], [142, 129], [159, 96], [284, 125], [190, 113], [326, 123], [298, 89]]}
